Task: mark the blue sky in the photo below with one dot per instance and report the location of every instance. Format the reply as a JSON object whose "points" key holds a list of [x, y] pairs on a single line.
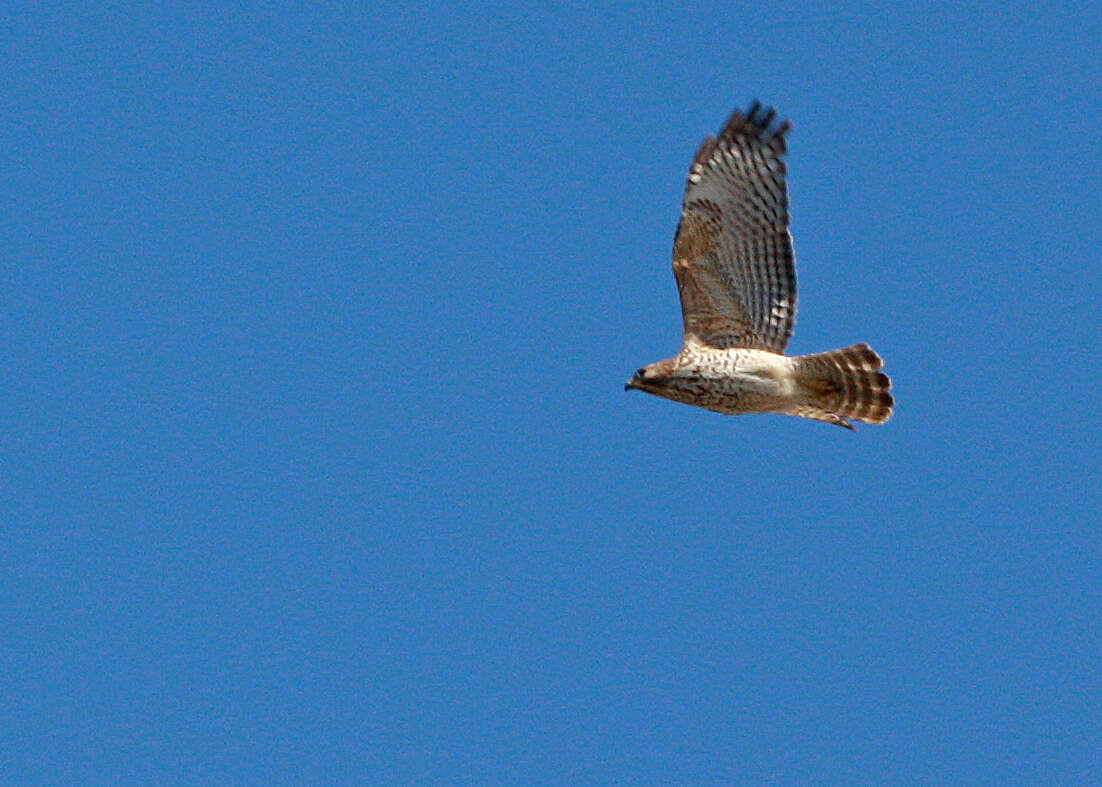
{"points": [[317, 464]]}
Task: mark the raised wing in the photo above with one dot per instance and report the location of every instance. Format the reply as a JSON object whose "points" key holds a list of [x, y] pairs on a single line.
{"points": [[732, 255]]}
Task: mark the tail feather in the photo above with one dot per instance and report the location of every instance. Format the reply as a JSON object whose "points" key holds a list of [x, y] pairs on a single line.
{"points": [[843, 384]]}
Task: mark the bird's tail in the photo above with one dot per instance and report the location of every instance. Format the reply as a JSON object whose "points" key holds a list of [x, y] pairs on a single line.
{"points": [[843, 384]]}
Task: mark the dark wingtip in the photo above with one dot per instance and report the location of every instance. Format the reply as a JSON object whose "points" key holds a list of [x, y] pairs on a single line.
{"points": [[758, 121]]}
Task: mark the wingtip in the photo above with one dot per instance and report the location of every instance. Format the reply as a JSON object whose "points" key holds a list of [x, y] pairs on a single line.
{"points": [[758, 121]]}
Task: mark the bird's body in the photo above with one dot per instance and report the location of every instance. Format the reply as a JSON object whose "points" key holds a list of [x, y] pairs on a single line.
{"points": [[736, 274], [728, 381]]}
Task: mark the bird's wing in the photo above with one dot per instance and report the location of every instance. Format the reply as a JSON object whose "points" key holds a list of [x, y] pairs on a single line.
{"points": [[733, 255]]}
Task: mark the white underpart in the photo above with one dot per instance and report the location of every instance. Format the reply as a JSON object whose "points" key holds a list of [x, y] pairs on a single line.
{"points": [[740, 379]]}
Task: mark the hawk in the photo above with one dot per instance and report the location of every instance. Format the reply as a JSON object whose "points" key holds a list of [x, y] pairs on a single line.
{"points": [[736, 273]]}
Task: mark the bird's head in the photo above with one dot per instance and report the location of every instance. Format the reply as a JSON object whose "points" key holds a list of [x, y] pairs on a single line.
{"points": [[650, 378]]}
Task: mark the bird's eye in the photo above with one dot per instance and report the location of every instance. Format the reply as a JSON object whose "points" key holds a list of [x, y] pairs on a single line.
{"points": [[641, 373]]}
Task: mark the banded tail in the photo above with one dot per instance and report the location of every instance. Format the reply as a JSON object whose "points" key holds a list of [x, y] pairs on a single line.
{"points": [[843, 384]]}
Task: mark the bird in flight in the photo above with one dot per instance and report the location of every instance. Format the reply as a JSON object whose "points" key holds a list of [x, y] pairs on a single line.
{"points": [[736, 273]]}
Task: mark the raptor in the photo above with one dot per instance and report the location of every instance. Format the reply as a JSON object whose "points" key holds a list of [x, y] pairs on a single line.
{"points": [[736, 274]]}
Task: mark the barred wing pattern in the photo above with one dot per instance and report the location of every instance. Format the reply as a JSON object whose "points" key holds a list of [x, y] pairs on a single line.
{"points": [[733, 255]]}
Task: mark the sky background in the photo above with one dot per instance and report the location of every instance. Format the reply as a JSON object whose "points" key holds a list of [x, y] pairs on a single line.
{"points": [[316, 460]]}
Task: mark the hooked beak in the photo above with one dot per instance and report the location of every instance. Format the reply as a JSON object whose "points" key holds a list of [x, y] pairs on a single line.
{"points": [[629, 384]]}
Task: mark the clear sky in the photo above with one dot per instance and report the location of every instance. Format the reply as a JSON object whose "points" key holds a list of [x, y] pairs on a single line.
{"points": [[316, 460]]}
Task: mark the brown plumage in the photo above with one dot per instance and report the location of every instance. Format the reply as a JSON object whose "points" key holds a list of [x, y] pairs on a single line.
{"points": [[736, 275]]}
